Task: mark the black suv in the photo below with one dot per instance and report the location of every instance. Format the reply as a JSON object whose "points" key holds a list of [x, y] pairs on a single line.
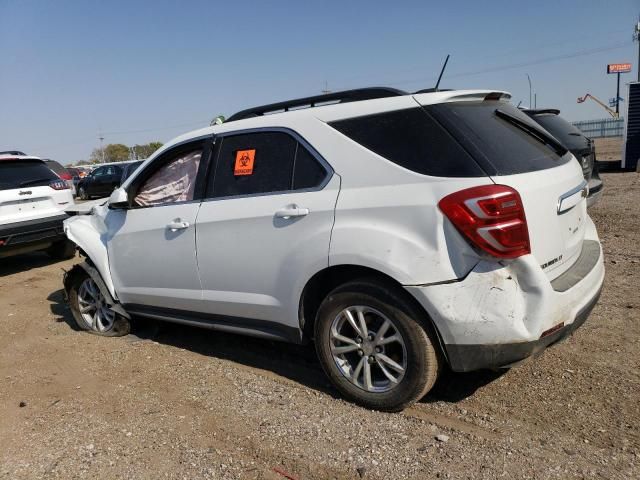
{"points": [[580, 146]]}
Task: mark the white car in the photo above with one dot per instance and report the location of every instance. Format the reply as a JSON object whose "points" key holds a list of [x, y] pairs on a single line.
{"points": [[33, 200], [400, 232]]}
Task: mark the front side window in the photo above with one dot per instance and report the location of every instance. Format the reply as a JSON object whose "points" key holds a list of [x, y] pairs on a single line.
{"points": [[264, 162], [98, 172], [174, 181]]}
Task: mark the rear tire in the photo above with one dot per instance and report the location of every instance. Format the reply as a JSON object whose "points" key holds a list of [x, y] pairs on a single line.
{"points": [[62, 250], [391, 365], [90, 311]]}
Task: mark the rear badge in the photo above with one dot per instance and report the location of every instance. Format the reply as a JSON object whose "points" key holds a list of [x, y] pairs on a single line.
{"points": [[25, 192], [551, 262]]}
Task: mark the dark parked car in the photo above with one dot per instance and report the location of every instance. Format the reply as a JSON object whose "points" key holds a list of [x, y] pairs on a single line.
{"points": [[78, 174], [580, 146], [100, 182]]}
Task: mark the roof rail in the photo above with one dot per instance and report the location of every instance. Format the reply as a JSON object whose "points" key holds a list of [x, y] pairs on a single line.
{"points": [[308, 102]]}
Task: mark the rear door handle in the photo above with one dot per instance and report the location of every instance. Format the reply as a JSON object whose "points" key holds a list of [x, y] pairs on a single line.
{"points": [[292, 211], [177, 225]]}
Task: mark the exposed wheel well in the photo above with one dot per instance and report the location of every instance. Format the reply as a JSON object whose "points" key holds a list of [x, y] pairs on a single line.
{"points": [[323, 282]]}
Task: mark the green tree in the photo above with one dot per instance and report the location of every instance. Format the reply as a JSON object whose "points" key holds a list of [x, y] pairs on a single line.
{"points": [[145, 151], [113, 152], [116, 152]]}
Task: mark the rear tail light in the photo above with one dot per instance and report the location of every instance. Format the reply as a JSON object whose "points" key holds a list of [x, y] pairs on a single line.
{"points": [[491, 217], [59, 185], [65, 176]]}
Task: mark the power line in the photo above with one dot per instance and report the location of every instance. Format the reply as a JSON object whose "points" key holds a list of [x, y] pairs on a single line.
{"points": [[499, 68]]}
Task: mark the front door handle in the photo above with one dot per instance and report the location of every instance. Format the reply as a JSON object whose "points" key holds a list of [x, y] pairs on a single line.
{"points": [[177, 225], [292, 211]]}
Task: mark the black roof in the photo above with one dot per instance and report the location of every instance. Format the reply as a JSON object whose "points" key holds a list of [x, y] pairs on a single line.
{"points": [[12, 152], [329, 98]]}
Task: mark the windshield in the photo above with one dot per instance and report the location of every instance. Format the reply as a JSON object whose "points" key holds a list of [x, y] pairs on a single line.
{"points": [[19, 173], [503, 146]]}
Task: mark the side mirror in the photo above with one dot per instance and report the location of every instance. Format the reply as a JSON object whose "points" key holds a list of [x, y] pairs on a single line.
{"points": [[119, 198]]}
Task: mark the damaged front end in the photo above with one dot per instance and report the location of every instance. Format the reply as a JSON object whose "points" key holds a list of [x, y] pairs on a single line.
{"points": [[89, 232]]}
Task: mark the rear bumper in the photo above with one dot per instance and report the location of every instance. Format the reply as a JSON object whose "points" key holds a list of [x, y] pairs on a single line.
{"points": [[30, 235], [465, 358], [595, 190], [502, 313]]}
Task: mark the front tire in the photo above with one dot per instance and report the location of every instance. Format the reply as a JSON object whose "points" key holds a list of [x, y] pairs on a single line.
{"points": [[90, 310], [374, 346], [82, 194]]}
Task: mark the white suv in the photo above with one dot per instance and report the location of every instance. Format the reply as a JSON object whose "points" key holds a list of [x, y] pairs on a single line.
{"points": [[400, 232], [33, 200]]}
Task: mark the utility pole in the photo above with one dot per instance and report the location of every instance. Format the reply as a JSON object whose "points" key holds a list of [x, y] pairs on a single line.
{"points": [[326, 88], [636, 37], [618, 97], [529, 78], [101, 147]]}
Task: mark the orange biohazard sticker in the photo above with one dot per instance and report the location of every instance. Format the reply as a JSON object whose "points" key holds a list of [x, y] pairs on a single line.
{"points": [[244, 162]]}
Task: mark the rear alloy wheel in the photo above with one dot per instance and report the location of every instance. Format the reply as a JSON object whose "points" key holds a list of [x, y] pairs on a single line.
{"points": [[92, 312], [367, 349], [374, 345]]}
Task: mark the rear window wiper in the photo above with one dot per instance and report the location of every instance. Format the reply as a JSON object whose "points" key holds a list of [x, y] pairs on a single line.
{"points": [[539, 135], [31, 182]]}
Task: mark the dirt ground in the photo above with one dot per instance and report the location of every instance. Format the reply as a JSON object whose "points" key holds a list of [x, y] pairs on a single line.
{"points": [[177, 402]]}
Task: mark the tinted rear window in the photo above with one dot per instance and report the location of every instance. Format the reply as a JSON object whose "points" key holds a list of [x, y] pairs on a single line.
{"points": [[24, 173], [56, 167], [569, 136], [412, 139], [499, 146]]}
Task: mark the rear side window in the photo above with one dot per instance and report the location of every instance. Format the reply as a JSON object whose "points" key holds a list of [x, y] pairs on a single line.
{"points": [[24, 173], [263, 162], [412, 139], [498, 145], [308, 171]]}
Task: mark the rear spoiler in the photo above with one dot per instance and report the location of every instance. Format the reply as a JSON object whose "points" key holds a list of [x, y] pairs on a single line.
{"points": [[461, 96]]}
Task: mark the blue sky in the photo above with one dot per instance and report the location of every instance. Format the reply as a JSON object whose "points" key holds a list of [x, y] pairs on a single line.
{"points": [[141, 71]]}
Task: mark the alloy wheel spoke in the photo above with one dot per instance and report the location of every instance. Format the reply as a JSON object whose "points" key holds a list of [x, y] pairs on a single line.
{"points": [[392, 363], [352, 322], [368, 384], [343, 339], [363, 323], [383, 329], [387, 373], [87, 308], [358, 369], [391, 339], [345, 349]]}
